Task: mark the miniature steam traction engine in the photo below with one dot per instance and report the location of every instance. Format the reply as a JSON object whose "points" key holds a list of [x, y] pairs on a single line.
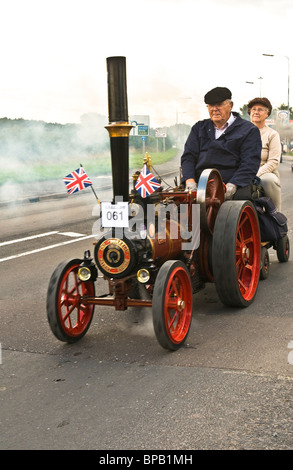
{"points": [[174, 242]]}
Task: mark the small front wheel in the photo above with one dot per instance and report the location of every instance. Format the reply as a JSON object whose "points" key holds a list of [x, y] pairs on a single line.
{"points": [[264, 263], [69, 318], [172, 304], [283, 249]]}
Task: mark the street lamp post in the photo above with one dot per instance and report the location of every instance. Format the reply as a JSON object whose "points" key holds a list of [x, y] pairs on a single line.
{"points": [[177, 113], [177, 100], [252, 83], [273, 55], [260, 79]]}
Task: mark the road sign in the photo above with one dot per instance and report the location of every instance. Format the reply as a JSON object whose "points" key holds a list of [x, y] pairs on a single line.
{"points": [[141, 125], [160, 133], [142, 130], [283, 115]]}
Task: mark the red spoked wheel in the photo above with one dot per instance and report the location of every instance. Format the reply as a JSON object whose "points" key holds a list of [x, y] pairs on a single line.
{"points": [[210, 195], [172, 304], [236, 253], [69, 318]]}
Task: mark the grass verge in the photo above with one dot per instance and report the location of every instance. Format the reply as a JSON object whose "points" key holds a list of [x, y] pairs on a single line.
{"points": [[95, 165]]}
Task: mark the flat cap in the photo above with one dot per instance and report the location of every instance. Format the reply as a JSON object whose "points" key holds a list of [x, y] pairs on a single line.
{"points": [[262, 101], [218, 94]]}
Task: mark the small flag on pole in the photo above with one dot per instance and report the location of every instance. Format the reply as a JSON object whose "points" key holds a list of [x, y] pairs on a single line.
{"points": [[146, 182], [77, 180]]}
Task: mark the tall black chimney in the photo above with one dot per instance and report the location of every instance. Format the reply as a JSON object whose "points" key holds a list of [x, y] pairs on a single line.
{"points": [[119, 126]]}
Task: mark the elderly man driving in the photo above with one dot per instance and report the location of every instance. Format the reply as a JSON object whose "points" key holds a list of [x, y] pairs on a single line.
{"points": [[226, 142]]}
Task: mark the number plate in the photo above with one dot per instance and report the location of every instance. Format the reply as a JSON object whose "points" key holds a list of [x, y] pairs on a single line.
{"points": [[115, 215]]}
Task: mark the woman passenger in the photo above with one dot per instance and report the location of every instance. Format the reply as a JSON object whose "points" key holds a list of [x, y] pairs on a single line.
{"points": [[259, 110]]}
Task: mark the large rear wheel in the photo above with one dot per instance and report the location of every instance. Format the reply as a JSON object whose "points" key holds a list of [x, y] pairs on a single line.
{"points": [[236, 253], [172, 304], [69, 318]]}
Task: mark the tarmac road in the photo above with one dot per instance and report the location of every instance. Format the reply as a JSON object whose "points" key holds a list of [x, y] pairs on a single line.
{"points": [[229, 387]]}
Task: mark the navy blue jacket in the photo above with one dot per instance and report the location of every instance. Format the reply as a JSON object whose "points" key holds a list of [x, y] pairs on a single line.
{"points": [[236, 153]]}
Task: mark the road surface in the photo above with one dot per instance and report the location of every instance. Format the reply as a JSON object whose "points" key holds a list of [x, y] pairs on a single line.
{"points": [[229, 387]]}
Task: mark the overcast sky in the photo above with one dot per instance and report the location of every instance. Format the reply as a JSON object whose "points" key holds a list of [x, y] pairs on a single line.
{"points": [[53, 55]]}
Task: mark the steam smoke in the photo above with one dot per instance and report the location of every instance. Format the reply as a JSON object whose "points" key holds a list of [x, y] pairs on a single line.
{"points": [[35, 155]]}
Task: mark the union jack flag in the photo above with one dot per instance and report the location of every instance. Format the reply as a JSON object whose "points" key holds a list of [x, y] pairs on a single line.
{"points": [[77, 180], [146, 182]]}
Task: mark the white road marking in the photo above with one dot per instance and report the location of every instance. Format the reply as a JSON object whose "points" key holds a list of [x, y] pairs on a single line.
{"points": [[18, 240], [46, 248], [71, 234], [290, 355]]}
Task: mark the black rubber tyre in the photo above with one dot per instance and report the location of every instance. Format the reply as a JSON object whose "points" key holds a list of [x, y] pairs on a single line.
{"points": [[68, 318], [236, 253], [283, 249], [172, 304], [264, 264]]}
